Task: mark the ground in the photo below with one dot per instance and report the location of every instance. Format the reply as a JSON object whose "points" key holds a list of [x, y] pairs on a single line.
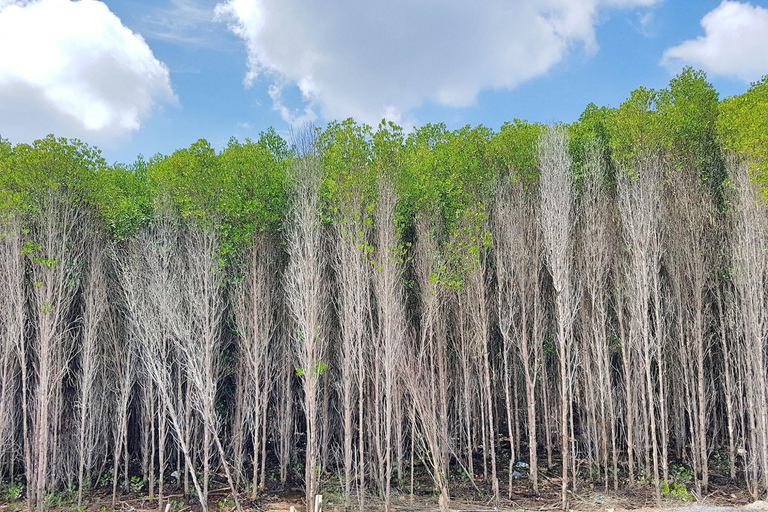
{"points": [[722, 495]]}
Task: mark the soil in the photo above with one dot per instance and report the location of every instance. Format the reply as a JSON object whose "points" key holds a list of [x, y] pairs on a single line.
{"points": [[722, 495]]}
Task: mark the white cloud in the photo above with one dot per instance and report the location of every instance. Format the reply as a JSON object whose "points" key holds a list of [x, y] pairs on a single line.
{"points": [[73, 69], [734, 44], [376, 59]]}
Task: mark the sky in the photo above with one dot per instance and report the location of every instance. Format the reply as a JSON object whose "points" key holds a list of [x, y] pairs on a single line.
{"points": [[152, 76]]}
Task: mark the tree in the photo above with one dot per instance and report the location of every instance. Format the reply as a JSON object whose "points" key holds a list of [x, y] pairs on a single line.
{"points": [[254, 307], [306, 291], [13, 359], [517, 251], [749, 278], [557, 220], [346, 158], [689, 222], [639, 207], [742, 127], [197, 337], [92, 358], [597, 241], [55, 247], [147, 270], [390, 327]]}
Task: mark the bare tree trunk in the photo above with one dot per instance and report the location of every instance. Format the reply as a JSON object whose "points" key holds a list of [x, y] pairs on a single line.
{"points": [[15, 345], [728, 390], [639, 206], [391, 328], [353, 278], [474, 225], [557, 203], [147, 273], [197, 336], [305, 294], [750, 270], [597, 238], [57, 247], [285, 426], [124, 367], [691, 210], [429, 272], [254, 315], [95, 305], [11, 331], [238, 423], [264, 411], [421, 385]]}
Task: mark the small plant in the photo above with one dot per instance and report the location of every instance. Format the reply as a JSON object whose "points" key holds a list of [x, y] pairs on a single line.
{"points": [[176, 504], [675, 490], [680, 473], [52, 499], [105, 480], [137, 484], [14, 491], [226, 503]]}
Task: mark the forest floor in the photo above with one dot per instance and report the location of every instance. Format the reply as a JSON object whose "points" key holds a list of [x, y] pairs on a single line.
{"points": [[723, 495]]}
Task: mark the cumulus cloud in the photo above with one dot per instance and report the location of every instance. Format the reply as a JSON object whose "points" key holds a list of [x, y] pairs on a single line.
{"points": [[383, 59], [73, 69], [734, 43]]}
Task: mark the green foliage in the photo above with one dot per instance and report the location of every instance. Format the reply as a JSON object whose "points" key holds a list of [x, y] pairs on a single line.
{"points": [[105, 480], [593, 127], [680, 473], [513, 152], [239, 192], [443, 175], [636, 128], [689, 110], [123, 198], [28, 171], [136, 484], [317, 370], [677, 491], [55, 499], [13, 492], [254, 179], [445, 172], [190, 179], [345, 150], [742, 128], [225, 503], [677, 488]]}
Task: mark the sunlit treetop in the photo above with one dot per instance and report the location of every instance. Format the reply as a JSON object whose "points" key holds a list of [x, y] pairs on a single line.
{"points": [[444, 175], [27, 171], [346, 155], [742, 127], [513, 151]]}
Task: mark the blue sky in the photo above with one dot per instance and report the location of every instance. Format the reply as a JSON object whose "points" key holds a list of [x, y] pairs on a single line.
{"points": [[144, 76]]}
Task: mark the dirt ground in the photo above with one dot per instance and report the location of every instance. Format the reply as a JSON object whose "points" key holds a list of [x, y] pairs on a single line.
{"points": [[465, 497]]}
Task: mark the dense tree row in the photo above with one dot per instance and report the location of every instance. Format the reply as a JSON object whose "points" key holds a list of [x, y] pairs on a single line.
{"points": [[362, 305]]}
